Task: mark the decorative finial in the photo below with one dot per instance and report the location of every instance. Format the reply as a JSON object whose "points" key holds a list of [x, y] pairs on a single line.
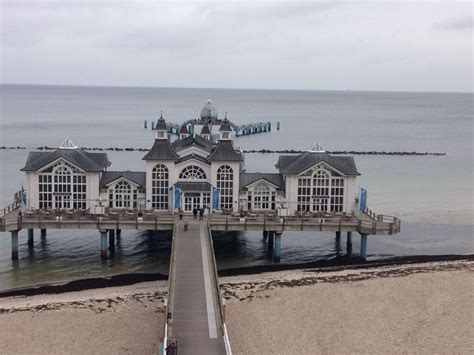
{"points": [[225, 115], [161, 114], [68, 144], [316, 148]]}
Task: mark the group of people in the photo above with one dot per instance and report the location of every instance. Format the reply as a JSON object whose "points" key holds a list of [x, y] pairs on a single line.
{"points": [[201, 211]]}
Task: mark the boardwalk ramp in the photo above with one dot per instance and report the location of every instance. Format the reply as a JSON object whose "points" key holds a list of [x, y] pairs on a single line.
{"points": [[195, 310]]}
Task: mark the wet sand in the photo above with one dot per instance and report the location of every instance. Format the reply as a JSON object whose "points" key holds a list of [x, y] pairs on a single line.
{"points": [[413, 308]]}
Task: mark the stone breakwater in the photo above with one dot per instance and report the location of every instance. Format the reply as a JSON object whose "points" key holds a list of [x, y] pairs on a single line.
{"points": [[258, 151]]}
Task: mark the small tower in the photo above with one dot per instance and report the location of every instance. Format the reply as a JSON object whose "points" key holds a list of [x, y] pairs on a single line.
{"points": [[183, 132], [160, 128], [205, 131], [225, 129]]}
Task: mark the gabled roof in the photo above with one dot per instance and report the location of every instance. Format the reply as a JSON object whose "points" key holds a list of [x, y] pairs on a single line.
{"points": [[290, 164], [224, 152], [89, 162], [161, 150], [192, 140], [137, 177], [276, 179], [192, 156]]}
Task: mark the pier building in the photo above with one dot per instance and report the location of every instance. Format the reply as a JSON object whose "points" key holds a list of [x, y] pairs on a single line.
{"points": [[195, 170]]}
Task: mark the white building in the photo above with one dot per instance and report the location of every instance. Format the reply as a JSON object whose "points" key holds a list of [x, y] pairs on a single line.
{"points": [[195, 170]]}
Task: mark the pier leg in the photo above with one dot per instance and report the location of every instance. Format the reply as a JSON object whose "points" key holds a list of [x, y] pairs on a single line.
{"points": [[338, 243], [119, 233], [270, 241], [31, 235], [363, 246], [349, 243], [43, 232], [14, 245], [111, 238], [265, 235], [277, 246], [103, 244]]}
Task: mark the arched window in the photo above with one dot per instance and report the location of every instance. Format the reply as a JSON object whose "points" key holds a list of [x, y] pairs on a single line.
{"points": [[225, 184], [123, 192], [261, 197], [192, 172], [318, 191], [62, 186], [159, 184]]}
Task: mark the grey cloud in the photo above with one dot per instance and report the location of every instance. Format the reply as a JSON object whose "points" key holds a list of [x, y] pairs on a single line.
{"points": [[458, 24]]}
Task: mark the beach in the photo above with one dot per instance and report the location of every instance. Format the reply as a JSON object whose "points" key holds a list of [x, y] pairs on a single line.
{"points": [[414, 308]]}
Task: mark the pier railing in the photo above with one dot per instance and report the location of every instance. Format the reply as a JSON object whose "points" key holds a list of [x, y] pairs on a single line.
{"points": [[220, 299], [12, 206]]}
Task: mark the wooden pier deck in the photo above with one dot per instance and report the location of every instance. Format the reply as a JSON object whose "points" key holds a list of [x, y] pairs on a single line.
{"points": [[193, 299]]}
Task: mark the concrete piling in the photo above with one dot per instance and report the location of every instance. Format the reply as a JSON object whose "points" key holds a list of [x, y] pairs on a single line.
{"points": [[338, 243], [349, 243], [103, 244], [14, 245], [363, 246], [31, 234], [277, 246], [112, 238]]}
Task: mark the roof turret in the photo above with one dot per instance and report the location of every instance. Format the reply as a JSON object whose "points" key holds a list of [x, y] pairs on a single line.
{"points": [[209, 112]]}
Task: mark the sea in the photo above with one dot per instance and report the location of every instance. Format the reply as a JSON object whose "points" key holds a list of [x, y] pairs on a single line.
{"points": [[432, 195]]}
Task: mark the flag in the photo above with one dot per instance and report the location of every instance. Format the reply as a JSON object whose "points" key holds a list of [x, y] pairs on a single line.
{"points": [[177, 197]]}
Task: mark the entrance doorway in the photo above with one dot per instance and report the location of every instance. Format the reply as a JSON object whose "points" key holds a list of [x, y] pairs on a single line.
{"points": [[196, 200]]}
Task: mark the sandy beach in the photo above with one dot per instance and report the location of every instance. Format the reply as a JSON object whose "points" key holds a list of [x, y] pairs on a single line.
{"points": [[415, 308]]}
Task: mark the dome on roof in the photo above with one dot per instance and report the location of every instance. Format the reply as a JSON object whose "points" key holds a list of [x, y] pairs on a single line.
{"points": [[208, 111]]}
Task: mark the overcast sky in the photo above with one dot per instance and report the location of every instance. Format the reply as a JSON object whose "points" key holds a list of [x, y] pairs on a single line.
{"points": [[401, 46]]}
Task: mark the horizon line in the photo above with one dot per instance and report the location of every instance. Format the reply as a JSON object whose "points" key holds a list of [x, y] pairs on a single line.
{"points": [[233, 88]]}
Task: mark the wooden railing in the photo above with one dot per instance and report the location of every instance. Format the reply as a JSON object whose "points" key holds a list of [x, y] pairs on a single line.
{"points": [[14, 205]]}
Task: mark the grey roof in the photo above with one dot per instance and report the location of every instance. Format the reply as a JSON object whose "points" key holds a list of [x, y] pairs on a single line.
{"points": [[205, 129], [290, 164], [209, 111], [273, 178], [224, 152], [138, 177], [194, 186], [161, 150], [192, 140], [90, 162], [160, 124], [192, 156], [225, 126], [184, 129]]}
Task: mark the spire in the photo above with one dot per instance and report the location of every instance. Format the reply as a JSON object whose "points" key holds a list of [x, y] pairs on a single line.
{"points": [[160, 127], [183, 132], [205, 131], [68, 144], [225, 128], [316, 148]]}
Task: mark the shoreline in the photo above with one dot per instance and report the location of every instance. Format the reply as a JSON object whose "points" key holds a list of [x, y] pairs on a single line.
{"points": [[323, 266], [419, 307]]}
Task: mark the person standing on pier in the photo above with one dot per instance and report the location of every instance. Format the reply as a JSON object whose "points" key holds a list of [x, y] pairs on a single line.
{"points": [[186, 225], [195, 212], [180, 212], [201, 213]]}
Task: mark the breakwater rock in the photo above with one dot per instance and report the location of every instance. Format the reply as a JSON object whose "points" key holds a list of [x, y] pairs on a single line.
{"points": [[249, 151]]}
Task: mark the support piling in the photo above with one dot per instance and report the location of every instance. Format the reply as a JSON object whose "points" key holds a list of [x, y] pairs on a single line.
{"points": [[31, 235], [103, 244], [14, 245], [277, 246], [349, 243], [363, 246], [112, 238]]}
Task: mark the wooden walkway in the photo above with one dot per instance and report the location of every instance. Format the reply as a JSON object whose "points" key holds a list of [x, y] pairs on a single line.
{"points": [[194, 305]]}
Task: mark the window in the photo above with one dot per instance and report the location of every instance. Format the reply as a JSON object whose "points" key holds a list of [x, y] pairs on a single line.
{"points": [[123, 193], [62, 186], [319, 191], [261, 197], [225, 184], [192, 172], [159, 190]]}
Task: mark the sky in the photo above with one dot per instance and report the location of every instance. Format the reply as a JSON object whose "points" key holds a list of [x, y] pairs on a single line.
{"points": [[363, 45]]}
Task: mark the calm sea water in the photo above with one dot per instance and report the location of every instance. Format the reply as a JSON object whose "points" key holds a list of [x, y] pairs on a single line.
{"points": [[432, 195]]}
